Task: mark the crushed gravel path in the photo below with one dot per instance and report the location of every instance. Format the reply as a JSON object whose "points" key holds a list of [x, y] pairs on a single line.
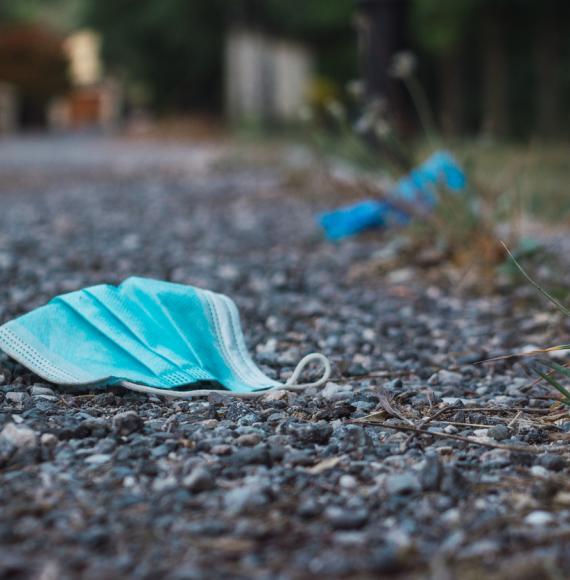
{"points": [[111, 484]]}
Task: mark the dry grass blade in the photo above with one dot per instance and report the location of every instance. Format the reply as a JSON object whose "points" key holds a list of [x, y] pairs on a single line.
{"points": [[554, 368], [525, 354], [546, 294], [435, 415], [425, 421], [506, 410]]}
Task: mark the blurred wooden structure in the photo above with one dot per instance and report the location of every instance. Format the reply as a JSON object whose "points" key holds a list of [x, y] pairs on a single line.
{"points": [[94, 101], [97, 108], [382, 30], [266, 77], [8, 109]]}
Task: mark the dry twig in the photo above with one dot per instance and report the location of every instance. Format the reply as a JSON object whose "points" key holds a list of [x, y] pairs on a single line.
{"points": [[387, 406], [409, 428]]}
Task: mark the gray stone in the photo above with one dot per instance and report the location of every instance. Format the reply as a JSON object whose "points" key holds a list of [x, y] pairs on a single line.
{"points": [[98, 458], [402, 484], [386, 560], [236, 411], [331, 391], [48, 440], [539, 518], [38, 390], [499, 432], [552, 461], [127, 423], [248, 440], [319, 432], [431, 473], [17, 398], [200, 479], [345, 519], [258, 455], [244, 499], [20, 436]]}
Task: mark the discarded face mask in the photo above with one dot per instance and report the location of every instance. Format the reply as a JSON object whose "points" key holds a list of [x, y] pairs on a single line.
{"points": [[145, 335], [418, 189], [359, 217]]}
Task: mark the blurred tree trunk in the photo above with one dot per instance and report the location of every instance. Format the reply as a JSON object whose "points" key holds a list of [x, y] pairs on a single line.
{"points": [[548, 63], [451, 93], [383, 33], [495, 74]]}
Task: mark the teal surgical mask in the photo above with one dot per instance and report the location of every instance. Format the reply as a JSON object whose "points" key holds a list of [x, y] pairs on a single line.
{"points": [[145, 335]]}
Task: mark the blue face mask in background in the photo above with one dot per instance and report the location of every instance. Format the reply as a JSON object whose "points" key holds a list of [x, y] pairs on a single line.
{"points": [[146, 335]]}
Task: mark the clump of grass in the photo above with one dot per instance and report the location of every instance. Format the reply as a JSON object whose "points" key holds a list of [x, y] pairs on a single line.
{"points": [[548, 370], [462, 227]]}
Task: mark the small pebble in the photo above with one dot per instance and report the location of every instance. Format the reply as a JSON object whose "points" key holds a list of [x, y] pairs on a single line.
{"points": [[200, 479], [402, 484], [499, 432], [127, 423], [539, 518]]}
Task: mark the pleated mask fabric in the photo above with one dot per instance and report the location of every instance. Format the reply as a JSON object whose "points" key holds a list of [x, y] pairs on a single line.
{"points": [[147, 335]]}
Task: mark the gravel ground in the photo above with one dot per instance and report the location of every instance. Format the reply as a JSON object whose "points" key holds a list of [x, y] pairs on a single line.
{"points": [[114, 484]]}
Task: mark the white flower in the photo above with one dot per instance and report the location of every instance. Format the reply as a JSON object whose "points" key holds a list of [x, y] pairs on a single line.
{"points": [[403, 65], [364, 124], [355, 89], [336, 110], [374, 116], [382, 128]]}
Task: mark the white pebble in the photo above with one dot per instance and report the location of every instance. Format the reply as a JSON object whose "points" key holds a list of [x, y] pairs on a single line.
{"points": [[539, 518], [20, 436]]}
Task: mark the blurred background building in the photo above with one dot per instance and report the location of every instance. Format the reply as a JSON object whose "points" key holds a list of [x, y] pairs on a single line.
{"points": [[94, 100], [497, 68], [266, 78]]}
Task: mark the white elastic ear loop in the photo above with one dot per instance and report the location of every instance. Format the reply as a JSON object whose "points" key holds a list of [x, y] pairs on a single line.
{"points": [[292, 383], [169, 393]]}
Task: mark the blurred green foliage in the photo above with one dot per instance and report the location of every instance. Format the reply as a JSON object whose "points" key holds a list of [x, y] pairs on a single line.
{"points": [[497, 67], [326, 26], [438, 25], [59, 14], [170, 50], [173, 49]]}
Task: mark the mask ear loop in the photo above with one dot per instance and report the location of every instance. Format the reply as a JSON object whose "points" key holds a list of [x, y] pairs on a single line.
{"points": [[290, 385], [138, 388]]}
